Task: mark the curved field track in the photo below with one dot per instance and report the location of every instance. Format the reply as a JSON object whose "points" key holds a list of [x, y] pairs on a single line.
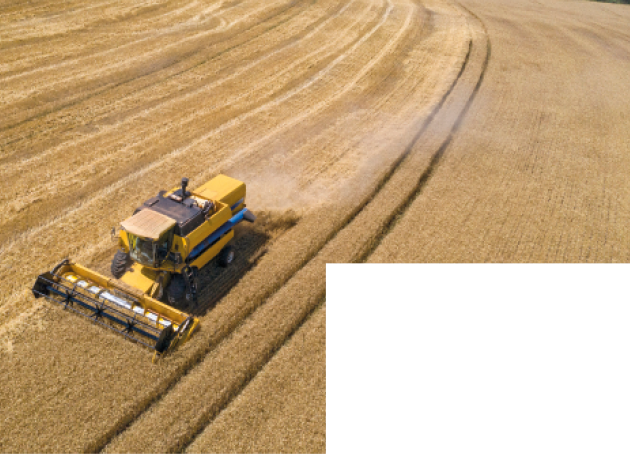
{"points": [[380, 130]]}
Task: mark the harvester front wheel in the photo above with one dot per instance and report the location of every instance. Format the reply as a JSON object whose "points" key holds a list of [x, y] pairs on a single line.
{"points": [[226, 256], [120, 264], [176, 291]]}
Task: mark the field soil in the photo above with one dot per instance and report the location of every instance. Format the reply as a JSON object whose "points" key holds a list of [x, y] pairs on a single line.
{"points": [[366, 130]]}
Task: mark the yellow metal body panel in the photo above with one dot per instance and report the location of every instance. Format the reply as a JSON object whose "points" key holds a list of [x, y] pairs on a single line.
{"points": [[220, 217], [140, 277], [222, 189], [123, 240], [204, 258]]}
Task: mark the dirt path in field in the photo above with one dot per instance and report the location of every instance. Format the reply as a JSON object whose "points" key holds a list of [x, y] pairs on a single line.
{"points": [[380, 130]]}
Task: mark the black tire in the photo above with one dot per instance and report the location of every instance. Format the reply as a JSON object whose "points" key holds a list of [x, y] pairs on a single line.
{"points": [[120, 263], [176, 291], [226, 256]]}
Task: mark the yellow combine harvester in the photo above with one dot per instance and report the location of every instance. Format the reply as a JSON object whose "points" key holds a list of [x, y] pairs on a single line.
{"points": [[162, 247]]}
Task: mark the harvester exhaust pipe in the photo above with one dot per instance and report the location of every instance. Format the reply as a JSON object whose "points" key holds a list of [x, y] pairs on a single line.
{"points": [[184, 185]]}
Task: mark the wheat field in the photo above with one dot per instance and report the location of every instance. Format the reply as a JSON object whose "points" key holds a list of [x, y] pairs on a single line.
{"points": [[366, 130]]}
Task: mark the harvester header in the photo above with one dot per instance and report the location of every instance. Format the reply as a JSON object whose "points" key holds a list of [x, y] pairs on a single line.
{"points": [[112, 304]]}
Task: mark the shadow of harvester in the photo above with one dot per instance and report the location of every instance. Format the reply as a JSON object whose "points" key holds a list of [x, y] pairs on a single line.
{"points": [[250, 243]]}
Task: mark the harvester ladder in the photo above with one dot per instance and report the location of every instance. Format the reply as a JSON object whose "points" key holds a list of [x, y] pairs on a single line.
{"points": [[190, 276]]}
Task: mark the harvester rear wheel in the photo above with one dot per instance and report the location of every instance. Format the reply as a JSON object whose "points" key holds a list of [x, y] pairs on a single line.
{"points": [[120, 264], [176, 291], [226, 256]]}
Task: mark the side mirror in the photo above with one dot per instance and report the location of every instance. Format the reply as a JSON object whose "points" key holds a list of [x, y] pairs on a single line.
{"points": [[113, 233]]}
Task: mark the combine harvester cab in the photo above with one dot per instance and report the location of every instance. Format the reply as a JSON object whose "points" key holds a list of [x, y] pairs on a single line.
{"points": [[162, 247]]}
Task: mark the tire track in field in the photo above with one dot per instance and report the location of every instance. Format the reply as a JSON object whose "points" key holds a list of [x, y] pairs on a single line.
{"points": [[102, 195], [316, 170], [331, 247], [436, 157], [289, 396], [537, 170], [268, 356]]}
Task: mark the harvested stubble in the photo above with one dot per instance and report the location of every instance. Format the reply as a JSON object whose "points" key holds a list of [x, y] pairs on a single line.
{"points": [[539, 170], [207, 388], [361, 78], [283, 409]]}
